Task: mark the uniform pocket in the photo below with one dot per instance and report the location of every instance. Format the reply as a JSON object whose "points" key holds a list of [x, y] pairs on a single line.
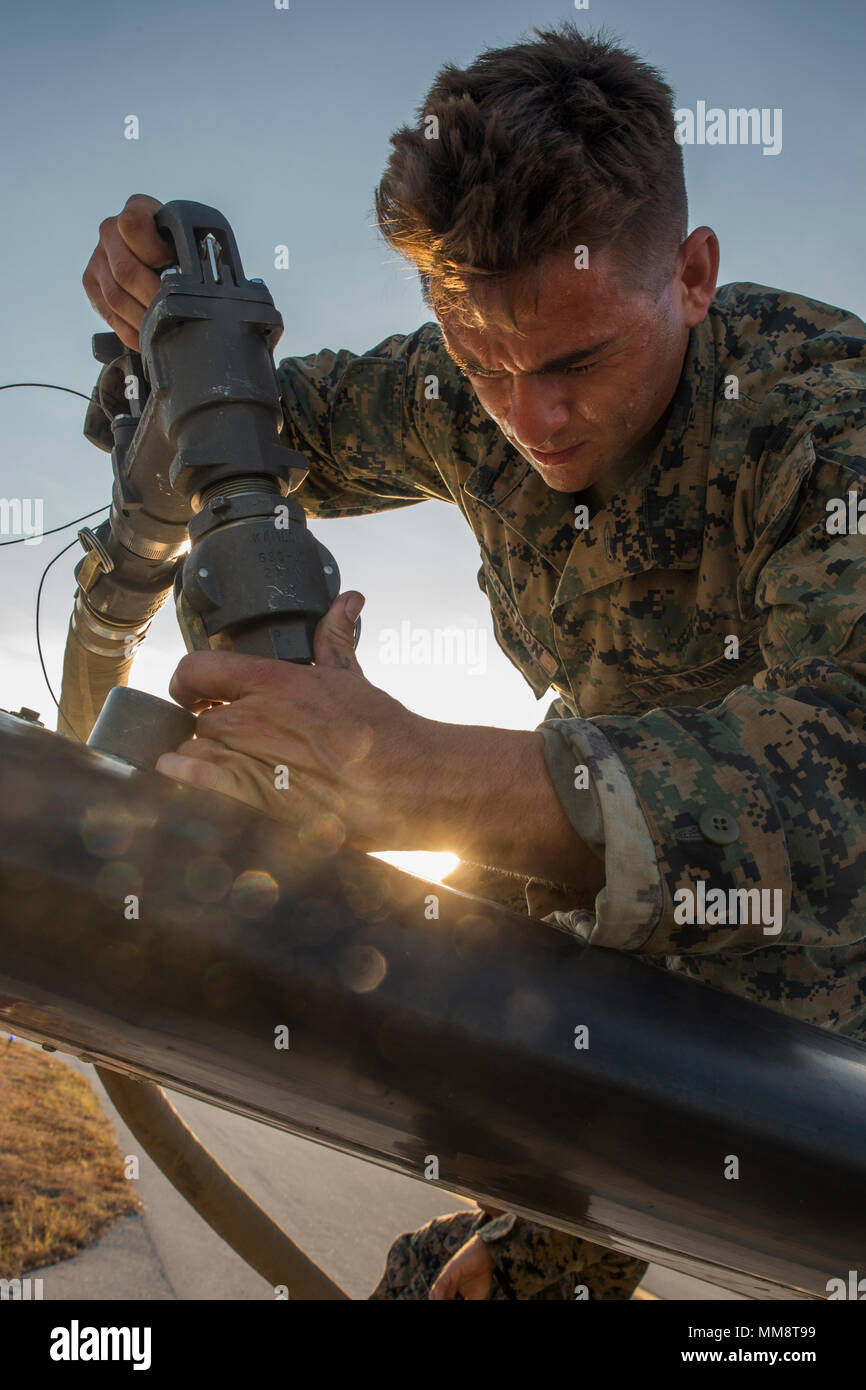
{"points": [[712, 680]]}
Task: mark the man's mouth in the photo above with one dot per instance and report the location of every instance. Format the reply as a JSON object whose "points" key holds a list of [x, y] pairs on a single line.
{"points": [[555, 460]]}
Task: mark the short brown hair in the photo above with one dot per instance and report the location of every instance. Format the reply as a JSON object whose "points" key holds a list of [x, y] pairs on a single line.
{"points": [[565, 139]]}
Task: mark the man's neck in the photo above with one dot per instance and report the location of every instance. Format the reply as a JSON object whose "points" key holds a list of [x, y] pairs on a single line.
{"points": [[609, 484]]}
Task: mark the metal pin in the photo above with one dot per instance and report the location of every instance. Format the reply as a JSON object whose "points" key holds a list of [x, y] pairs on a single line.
{"points": [[210, 249]]}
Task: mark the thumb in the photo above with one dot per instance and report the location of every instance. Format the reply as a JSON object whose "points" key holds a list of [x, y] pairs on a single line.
{"points": [[469, 1273], [334, 643]]}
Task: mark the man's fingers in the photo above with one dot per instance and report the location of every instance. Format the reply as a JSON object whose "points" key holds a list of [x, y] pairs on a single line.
{"points": [[445, 1285], [197, 772], [469, 1273], [334, 643], [206, 678], [120, 278], [129, 275], [106, 293], [474, 1288], [202, 763], [125, 332], [201, 748], [139, 231]]}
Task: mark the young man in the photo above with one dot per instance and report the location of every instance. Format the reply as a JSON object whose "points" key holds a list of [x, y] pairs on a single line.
{"points": [[668, 487]]}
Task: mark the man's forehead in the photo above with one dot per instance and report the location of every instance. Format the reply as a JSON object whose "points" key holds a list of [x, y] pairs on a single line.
{"points": [[535, 319]]}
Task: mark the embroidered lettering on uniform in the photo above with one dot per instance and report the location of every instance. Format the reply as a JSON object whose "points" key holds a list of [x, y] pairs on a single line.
{"points": [[719, 670]]}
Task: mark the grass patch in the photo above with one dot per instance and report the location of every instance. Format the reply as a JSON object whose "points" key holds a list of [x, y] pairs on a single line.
{"points": [[61, 1172]]}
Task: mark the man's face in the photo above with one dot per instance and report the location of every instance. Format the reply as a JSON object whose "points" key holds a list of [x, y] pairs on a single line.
{"points": [[587, 375]]}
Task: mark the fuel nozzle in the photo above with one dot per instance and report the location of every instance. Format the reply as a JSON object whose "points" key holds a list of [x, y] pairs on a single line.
{"points": [[198, 462], [255, 579], [201, 451]]}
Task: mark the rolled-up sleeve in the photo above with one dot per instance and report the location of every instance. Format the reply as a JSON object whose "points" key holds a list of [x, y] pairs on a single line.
{"points": [[607, 816]]}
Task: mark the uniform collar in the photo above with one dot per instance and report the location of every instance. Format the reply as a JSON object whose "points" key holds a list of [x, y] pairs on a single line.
{"points": [[654, 521]]}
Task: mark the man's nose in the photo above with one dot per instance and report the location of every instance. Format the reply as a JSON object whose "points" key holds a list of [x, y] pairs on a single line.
{"points": [[537, 412]]}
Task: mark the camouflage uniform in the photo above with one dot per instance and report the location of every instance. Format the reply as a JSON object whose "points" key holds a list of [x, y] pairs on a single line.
{"points": [[531, 1262], [746, 770]]}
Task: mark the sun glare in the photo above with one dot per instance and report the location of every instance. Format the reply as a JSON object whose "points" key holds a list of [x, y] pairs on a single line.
{"points": [[422, 864]]}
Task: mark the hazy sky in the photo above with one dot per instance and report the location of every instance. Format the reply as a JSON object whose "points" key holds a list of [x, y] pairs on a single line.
{"points": [[281, 119]]}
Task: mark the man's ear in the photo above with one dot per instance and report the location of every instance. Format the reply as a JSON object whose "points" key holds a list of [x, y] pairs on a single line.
{"points": [[698, 272]]}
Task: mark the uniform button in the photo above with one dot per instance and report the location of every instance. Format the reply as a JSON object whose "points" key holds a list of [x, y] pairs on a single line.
{"points": [[719, 827]]}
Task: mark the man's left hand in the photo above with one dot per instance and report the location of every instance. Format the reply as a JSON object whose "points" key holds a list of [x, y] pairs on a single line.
{"points": [[469, 1273]]}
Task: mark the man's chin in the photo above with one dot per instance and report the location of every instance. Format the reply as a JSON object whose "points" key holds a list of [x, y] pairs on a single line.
{"points": [[573, 474], [562, 484], [565, 478]]}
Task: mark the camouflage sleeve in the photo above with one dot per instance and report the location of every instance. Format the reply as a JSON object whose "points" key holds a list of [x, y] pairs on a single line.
{"points": [[584, 812], [742, 823], [361, 421], [532, 1258]]}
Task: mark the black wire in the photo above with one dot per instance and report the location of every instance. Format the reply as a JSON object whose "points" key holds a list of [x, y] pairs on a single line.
{"points": [[38, 641], [51, 387], [97, 399], [54, 529], [94, 399]]}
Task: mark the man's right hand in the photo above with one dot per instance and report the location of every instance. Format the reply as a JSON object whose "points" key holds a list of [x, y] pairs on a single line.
{"points": [[120, 278]]}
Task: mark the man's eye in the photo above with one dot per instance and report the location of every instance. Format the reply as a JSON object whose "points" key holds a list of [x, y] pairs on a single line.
{"points": [[502, 376]]}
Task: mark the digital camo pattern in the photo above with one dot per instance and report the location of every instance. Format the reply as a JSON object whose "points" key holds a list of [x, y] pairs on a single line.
{"points": [[531, 1261], [721, 531]]}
